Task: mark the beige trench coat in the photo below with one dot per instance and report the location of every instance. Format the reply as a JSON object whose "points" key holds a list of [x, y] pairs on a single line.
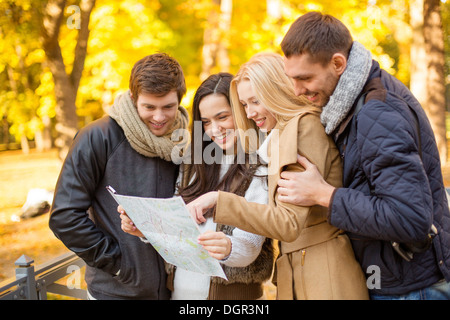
{"points": [[316, 259]]}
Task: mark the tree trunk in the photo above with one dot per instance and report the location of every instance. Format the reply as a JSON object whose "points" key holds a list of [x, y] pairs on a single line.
{"points": [[5, 127], [66, 86], [226, 9], [47, 133], [38, 141], [215, 42], [418, 84], [427, 68], [434, 47], [24, 144]]}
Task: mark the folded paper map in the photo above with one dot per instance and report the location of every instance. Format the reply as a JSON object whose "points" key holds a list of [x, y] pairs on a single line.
{"points": [[169, 227]]}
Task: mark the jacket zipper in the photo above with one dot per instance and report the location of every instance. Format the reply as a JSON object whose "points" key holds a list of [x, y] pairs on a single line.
{"points": [[303, 274]]}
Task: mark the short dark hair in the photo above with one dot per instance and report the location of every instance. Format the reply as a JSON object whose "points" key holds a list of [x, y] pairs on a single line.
{"points": [[320, 35], [157, 74]]}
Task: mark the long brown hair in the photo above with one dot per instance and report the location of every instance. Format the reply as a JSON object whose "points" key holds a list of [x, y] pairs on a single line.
{"points": [[206, 177]]}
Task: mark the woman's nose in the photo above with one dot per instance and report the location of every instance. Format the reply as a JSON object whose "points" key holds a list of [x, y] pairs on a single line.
{"points": [[251, 113], [215, 128]]}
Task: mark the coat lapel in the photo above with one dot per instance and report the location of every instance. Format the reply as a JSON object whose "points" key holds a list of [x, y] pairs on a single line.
{"points": [[282, 149]]}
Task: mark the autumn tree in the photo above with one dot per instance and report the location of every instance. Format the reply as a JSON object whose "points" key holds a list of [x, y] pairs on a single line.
{"points": [[434, 46], [427, 74], [20, 71], [216, 38], [66, 84], [47, 45]]}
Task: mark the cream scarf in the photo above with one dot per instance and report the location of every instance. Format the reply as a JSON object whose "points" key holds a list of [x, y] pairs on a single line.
{"points": [[137, 133], [349, 86]]}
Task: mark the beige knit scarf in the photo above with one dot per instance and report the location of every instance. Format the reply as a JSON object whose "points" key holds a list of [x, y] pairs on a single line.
{"points": [[138, 134]]}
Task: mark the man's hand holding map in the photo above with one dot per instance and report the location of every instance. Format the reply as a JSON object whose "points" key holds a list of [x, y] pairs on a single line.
{"points": [[168, 226]]}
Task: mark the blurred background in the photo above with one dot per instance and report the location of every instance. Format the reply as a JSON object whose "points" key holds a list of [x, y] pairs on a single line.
{"points": [[63, 62]]}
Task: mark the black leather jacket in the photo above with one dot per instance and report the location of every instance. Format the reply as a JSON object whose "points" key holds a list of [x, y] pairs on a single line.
{"points": [[84, 215]]}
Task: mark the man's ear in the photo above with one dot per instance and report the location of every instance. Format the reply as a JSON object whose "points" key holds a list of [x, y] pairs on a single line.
{"points": [[339, 62], [134, 100]]}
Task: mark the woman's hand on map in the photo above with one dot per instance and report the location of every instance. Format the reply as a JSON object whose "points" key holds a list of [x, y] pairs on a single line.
{"points": [[128, 225], [217, 244], [199, 206]]}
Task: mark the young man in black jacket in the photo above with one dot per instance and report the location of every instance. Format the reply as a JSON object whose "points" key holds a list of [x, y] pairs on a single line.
{"points": [[130, 150]]}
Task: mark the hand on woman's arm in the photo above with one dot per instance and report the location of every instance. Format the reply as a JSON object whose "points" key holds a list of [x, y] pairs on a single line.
{"points": [[307, 188]]}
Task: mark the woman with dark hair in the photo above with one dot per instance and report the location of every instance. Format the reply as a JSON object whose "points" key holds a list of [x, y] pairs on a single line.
{"points": [[247, 259]]}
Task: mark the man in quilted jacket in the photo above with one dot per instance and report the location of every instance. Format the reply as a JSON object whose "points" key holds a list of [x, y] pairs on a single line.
{"points": [[393, 202]]}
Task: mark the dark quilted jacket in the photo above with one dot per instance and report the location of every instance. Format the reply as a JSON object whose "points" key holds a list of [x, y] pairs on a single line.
{"points": [[390, 193]]}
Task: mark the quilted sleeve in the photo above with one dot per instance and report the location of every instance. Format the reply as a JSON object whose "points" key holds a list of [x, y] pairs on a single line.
{"points": [[399, 207]]}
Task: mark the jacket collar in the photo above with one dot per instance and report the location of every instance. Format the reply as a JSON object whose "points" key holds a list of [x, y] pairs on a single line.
{"points": [[370, 85]]}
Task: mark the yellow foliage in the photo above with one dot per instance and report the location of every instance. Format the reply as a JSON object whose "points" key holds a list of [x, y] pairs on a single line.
{"points": [[313, 6], [122, 32], [35, 56]]}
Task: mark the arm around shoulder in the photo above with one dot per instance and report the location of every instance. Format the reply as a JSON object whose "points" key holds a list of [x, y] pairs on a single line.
{"points": [[321, 168]]}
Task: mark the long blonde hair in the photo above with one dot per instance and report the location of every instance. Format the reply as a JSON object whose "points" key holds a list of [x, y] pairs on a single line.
{"points": [[272, 88]]}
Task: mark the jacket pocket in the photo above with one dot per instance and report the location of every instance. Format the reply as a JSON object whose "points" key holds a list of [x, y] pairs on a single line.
{"points": [[380, 254], [127, 272]]}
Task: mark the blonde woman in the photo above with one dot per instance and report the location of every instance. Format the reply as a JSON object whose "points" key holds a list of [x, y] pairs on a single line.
{"points": [[316, 259]]}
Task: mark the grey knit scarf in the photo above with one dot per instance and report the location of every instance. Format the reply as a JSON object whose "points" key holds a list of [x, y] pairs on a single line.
{"points": [[349, 86], [138, 134]]}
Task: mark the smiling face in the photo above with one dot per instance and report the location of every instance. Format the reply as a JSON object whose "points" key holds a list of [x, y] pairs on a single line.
{"points": [[158, 112], [254, 109], [217, 120], [312, 79]]}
